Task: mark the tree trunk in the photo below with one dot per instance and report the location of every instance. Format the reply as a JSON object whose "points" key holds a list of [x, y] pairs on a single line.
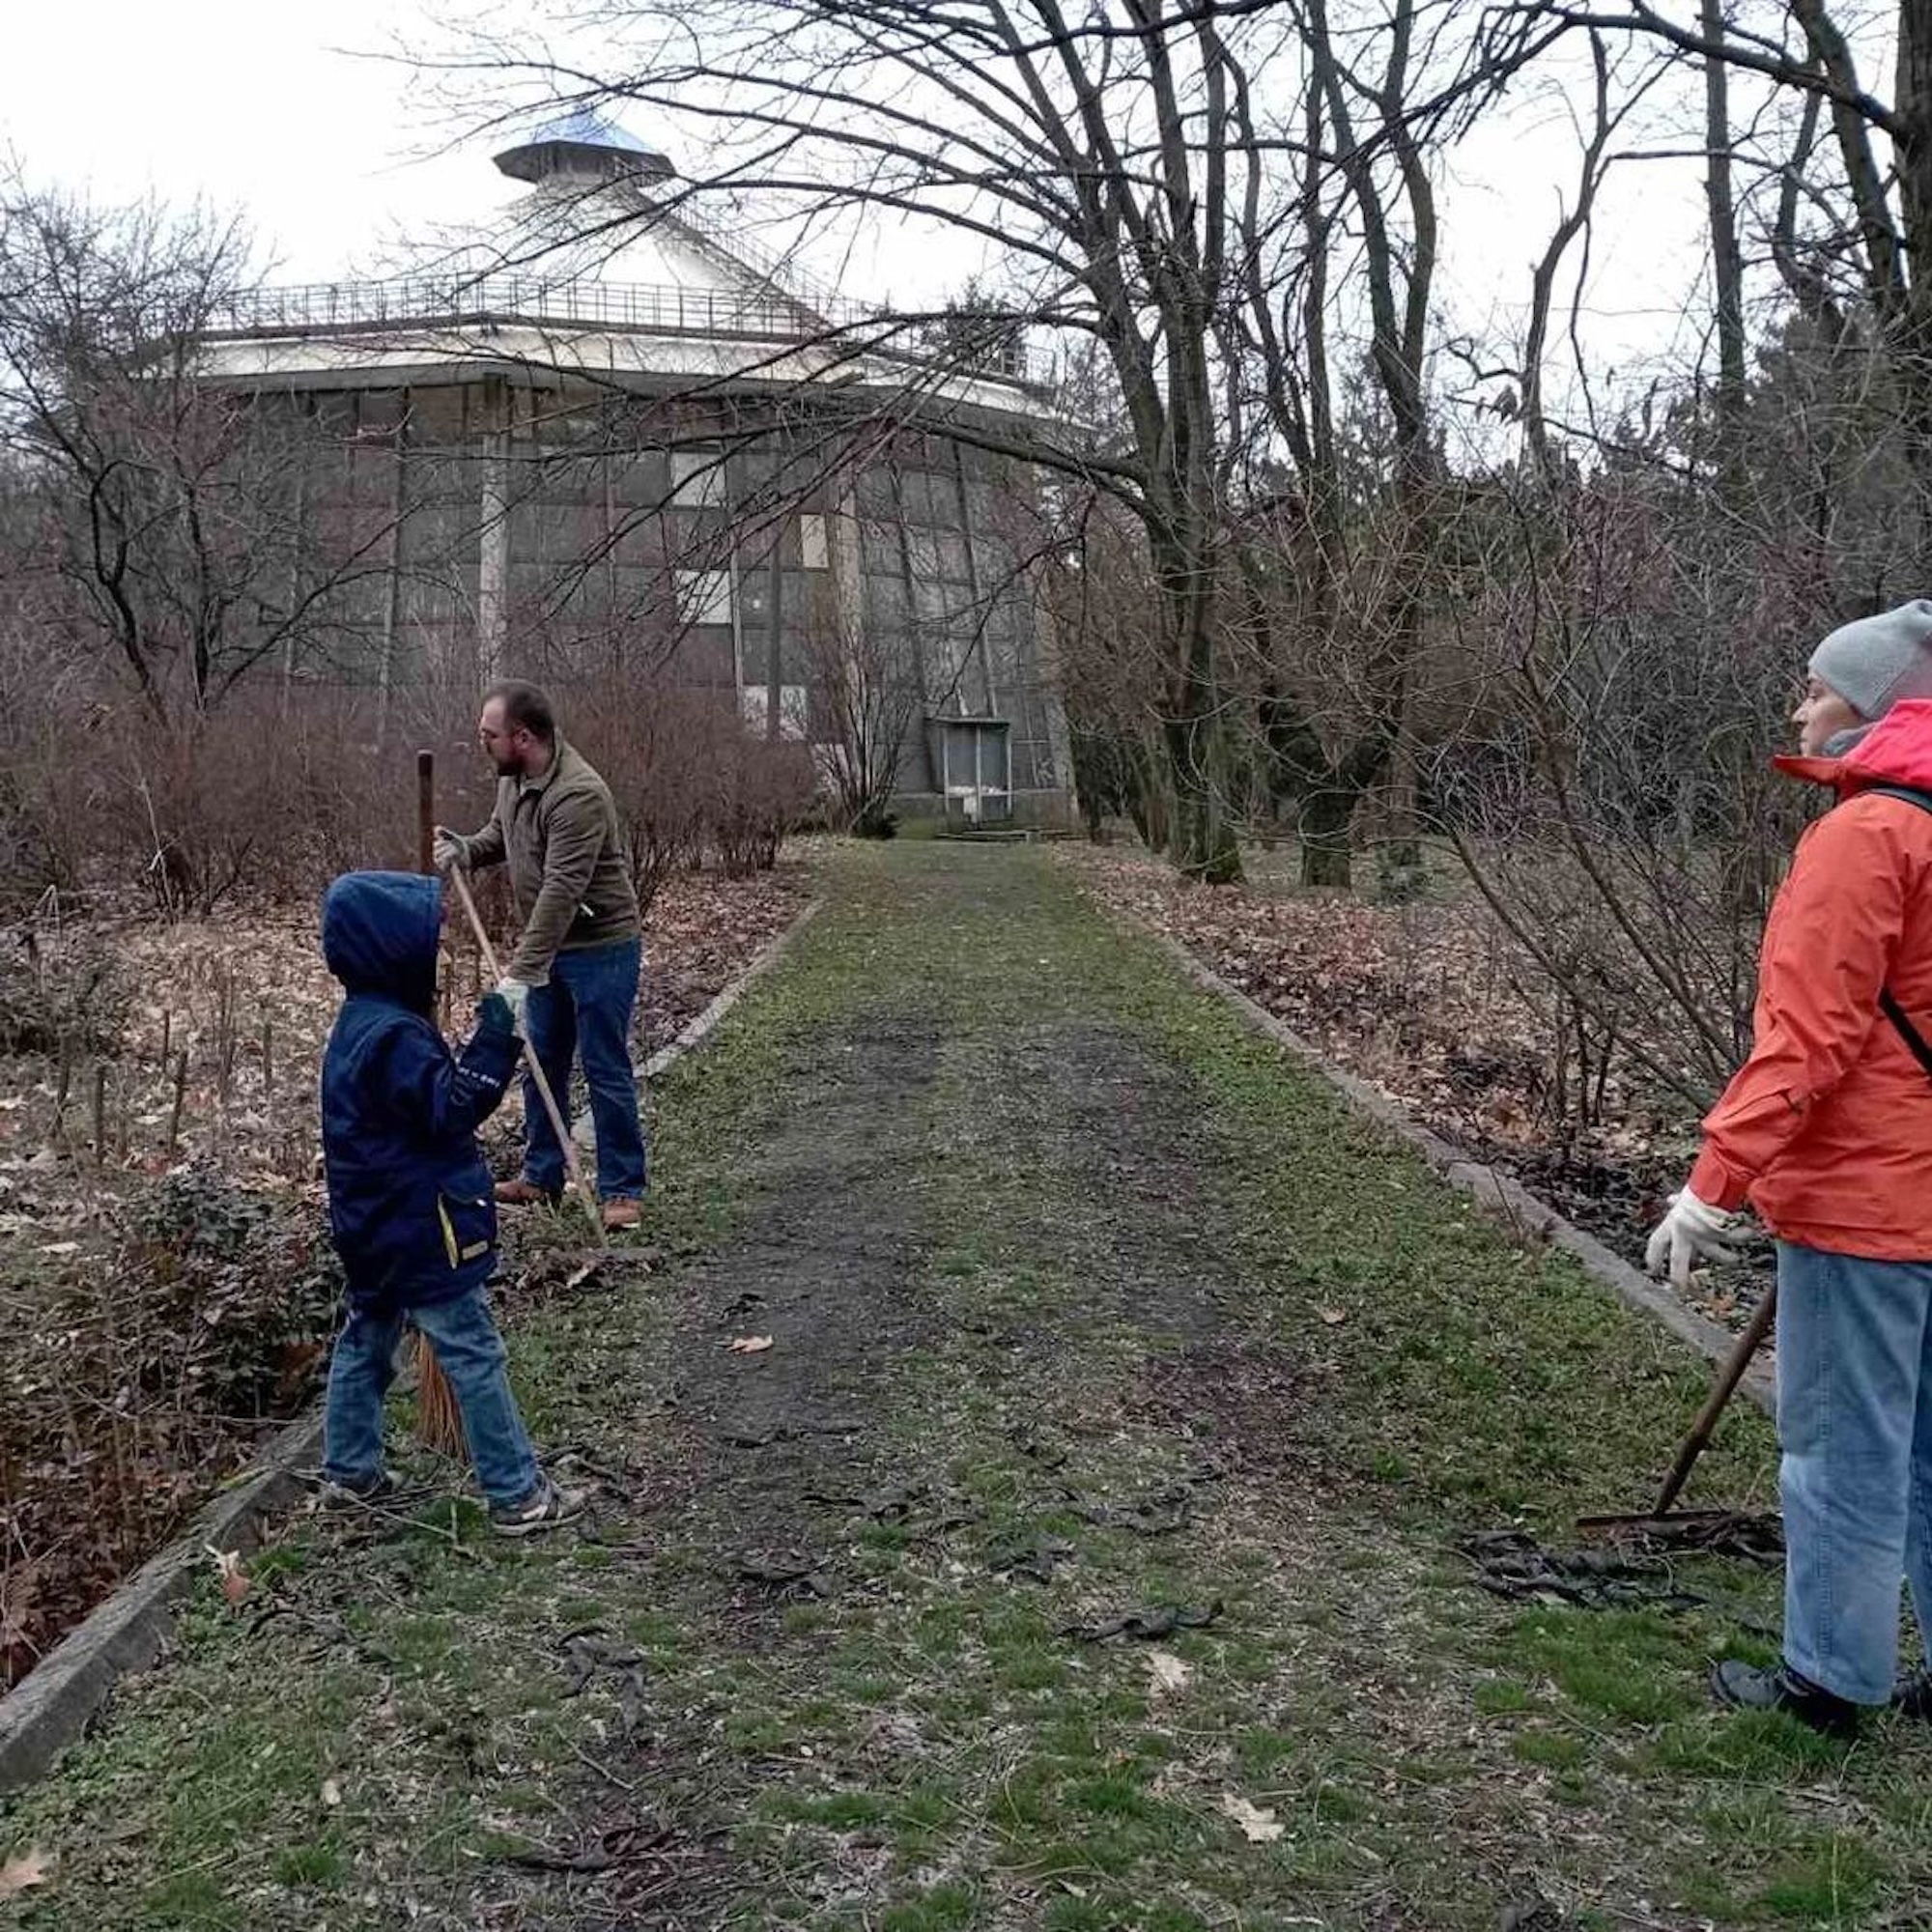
{"points": [[1399, 867], [1913, 159], [1099, 784], [1147, 796], [1727, 265], [1326, 824], [1200, 834]]}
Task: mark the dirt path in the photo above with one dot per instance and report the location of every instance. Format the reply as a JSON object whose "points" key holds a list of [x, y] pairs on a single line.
{"points": [[1082, 1304]]}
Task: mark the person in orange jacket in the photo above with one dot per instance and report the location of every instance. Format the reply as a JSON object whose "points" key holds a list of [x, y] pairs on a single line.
{"points": [[1826, 1131]]}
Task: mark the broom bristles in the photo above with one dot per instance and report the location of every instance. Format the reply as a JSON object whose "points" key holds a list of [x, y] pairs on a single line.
{"points": [[439, 1420]]}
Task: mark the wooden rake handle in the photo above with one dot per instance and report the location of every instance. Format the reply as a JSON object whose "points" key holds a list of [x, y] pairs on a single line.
{"points": [[578, 1178], [1729, 1377]]}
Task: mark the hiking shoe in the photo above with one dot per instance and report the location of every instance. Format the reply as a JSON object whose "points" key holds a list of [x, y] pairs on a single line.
{"points": [[623, 1212], [380, 1488], [1744, 1687], [525, 1194], [1913, 1697], [546, 1507]]}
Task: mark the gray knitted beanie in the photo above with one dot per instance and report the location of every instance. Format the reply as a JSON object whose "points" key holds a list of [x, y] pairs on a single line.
{"points": [[1873, 661]]}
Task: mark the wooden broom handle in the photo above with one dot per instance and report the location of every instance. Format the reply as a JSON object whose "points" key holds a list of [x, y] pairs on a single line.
{"points": [[426, 812], [578, 1177]]}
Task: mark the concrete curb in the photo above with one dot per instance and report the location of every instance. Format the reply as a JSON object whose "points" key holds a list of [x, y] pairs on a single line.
{"points": [[55, 1703], [1531, 1219]]}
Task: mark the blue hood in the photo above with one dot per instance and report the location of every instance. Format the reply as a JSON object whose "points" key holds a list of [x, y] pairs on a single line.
{"points": [[380, 932]]}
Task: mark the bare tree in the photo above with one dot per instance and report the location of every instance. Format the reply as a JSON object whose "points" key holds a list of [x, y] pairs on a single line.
{"points": [[1872, 219], [1096, 584], [1727, 269], [1124, 168], [1099, 156], [171, 509], [1335, 556]]}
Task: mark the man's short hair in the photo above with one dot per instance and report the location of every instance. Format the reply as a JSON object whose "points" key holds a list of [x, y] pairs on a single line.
{"points": [[525, 705]]}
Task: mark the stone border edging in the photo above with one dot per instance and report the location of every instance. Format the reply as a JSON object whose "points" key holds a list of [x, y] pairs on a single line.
{"points": [[698, 1031], [1508, 1200], [54, 1703]]}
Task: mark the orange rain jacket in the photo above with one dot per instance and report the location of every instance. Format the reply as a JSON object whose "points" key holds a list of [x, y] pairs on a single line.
{"points": [[1827, 1129]]}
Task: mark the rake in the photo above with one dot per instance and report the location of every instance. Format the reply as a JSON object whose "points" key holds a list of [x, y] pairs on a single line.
{"points": [[1729, 1376]]}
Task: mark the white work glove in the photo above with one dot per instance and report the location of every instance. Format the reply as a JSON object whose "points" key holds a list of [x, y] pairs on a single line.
{"points": [[1693, 1232], [515, 995], [448, 850]]}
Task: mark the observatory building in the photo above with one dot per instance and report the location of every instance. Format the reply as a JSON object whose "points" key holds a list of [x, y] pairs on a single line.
{"points": [[605, 434]]}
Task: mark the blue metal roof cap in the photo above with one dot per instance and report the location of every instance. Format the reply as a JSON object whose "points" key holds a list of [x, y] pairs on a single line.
{"points": [[587, 139]]}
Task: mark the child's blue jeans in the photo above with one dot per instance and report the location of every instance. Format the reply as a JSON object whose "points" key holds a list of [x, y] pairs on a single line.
{"points": [[470, 1353], [1855, 1423]]}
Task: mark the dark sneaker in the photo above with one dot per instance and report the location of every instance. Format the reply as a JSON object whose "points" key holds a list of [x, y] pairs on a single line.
{"points": [[348, 1495], [1744, 1687], [546, 1507], [1913, 1699], [525, 1194]]}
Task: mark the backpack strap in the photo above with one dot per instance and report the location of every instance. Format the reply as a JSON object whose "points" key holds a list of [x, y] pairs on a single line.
{"points": [[1911, 794], [1887, 1003], [1907, 1031]]}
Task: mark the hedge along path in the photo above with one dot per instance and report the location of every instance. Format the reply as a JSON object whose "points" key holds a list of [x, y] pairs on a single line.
{"points": [[1084, 1302]]}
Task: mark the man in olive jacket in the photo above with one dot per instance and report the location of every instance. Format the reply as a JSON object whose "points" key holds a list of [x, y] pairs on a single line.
{"points": [[573, 979]]}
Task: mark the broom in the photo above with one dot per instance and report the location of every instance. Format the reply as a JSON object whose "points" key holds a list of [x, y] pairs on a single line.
{"points": [[439, 1419]]}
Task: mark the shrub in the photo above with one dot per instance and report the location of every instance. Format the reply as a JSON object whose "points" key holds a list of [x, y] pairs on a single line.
{"points": [[244, 1286], [60, 994], [135, 1381], [690, 780], [761, 790], [279, 787], [651, 744], [277, 791]]}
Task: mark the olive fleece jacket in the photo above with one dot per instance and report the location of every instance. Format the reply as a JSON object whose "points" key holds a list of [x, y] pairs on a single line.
{"points": [[568, 871]]}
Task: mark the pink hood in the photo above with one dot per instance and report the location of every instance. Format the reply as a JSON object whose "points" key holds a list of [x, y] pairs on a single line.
{"points": [[1896, 751]]}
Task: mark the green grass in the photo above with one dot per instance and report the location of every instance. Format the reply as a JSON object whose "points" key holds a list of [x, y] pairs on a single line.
{"points": [[1118, 1216]]}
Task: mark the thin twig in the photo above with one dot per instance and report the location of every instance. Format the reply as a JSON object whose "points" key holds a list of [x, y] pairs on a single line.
{"points": [[602, 1770]]}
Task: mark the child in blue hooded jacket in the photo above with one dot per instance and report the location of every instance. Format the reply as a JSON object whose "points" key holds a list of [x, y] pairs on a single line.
{"points": [[409, 1199]]}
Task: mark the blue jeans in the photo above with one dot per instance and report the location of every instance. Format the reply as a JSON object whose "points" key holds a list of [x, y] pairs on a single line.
{"points": [[472, 1354], [587, 1007], [1854, 1422]]}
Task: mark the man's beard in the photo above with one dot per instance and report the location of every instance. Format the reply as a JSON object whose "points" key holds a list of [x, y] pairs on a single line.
{"points": [[513, 769]]}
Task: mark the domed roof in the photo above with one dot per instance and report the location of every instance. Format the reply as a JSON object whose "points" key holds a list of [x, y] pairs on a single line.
{"points": [[583, 145]]}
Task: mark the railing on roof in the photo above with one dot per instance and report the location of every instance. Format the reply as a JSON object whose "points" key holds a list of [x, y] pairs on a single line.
{"points": [[969, 343]]}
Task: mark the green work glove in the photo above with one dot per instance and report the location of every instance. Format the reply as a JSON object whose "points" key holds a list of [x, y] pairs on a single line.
{"points": [[497, 1014]]}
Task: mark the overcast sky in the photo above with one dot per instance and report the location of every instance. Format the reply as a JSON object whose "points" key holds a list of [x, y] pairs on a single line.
{"points": [[290, 114], [255, 104]]}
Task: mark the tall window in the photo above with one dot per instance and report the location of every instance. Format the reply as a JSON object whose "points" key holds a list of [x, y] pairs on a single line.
{"points": [[698, 478], [703, 596]]}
